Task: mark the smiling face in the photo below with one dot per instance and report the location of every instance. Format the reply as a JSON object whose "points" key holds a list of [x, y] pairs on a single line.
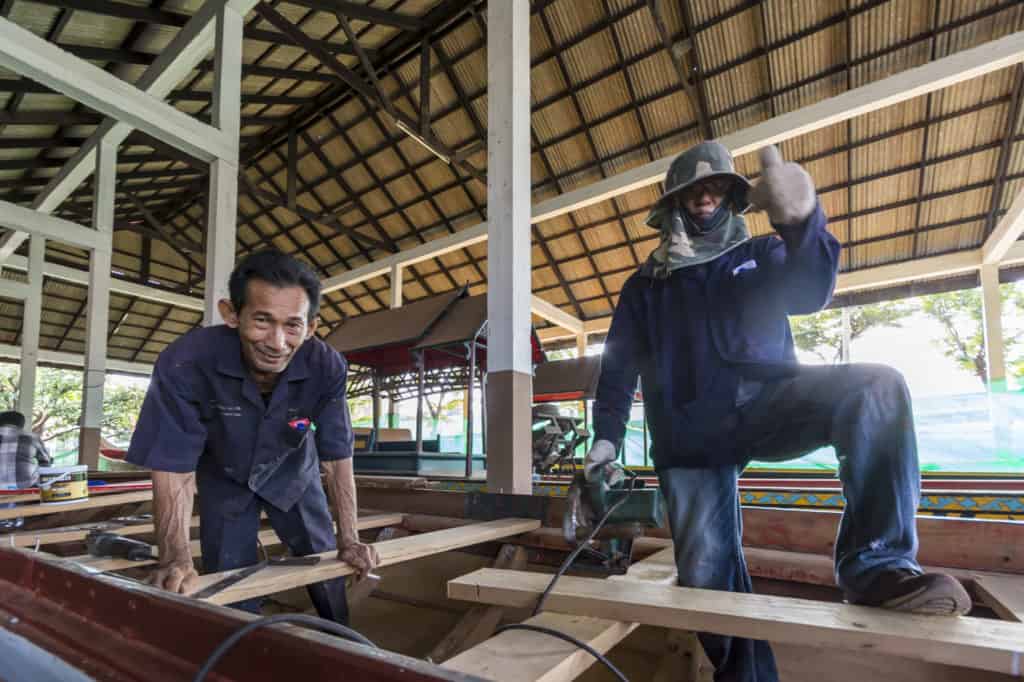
{"points": [[272, 325]]}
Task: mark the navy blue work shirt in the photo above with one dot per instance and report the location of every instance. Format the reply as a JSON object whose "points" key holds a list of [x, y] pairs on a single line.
{"points": [[695, 335], [204, 413]]}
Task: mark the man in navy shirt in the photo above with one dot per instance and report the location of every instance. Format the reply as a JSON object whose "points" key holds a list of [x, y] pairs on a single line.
{"points": [[249, 412], [704, 325]]}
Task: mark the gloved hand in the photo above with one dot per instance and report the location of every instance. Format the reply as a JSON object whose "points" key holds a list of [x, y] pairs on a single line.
{"points": [[601, 454], [785, 190]]}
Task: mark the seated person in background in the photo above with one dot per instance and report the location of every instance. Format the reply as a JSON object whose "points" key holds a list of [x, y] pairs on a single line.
{"points": [[21, 453]]}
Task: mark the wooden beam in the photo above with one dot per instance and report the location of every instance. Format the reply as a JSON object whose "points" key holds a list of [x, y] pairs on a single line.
{"points": [[521, 656], [76, 360], [29, 55], [27, 221], [81, 277], [1006, 234], [268, 537], [555, 315], [1003, 594], [969, 642], [479, 622], [187, 49], [370, 15], [29, 510], [9, 288], [280, 578]]}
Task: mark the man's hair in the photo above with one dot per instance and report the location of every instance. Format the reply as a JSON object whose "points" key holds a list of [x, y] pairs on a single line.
{"points": [[278, 269], [12, 418]]}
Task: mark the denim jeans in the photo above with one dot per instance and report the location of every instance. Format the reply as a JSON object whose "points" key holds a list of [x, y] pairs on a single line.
{"points": [[864, 412]]}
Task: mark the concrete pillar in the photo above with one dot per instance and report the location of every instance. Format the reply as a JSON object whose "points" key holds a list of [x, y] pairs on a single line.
{"points": [[98, 311], [31, 318], [396, 286], [509, 365], [222, 208], [581, 345], [992, 310]]}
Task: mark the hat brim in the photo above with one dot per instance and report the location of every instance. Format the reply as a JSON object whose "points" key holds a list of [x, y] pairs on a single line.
{"points": [[739, 192]]}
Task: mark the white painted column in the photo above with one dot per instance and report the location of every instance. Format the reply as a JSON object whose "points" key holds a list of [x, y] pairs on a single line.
{"points": [[98, 311], [396, 285], [581, 345], [509, 292], [847, 340], [992, 310], [222, 207], [31, 319]]}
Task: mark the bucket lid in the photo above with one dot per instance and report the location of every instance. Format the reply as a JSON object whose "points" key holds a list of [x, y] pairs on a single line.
{"points": [[63, 470]]}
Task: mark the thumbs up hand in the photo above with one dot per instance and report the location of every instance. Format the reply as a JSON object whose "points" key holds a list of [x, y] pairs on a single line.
{"points": [[784, 191]]}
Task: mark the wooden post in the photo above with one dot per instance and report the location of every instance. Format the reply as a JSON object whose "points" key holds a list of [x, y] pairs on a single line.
{"points": [[98, 313], [509, 294], [222, 210], [32, 318], [995, 355], [396, 285]]}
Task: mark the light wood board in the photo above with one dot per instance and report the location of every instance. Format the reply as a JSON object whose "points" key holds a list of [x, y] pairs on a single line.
{"points": [[279, 578], [268, 537], [39, 509], [1004, 594], [969, 642], [520, 656]]}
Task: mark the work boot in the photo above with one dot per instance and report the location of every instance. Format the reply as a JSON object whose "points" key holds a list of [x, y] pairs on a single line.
{"points": [[934, 594]]}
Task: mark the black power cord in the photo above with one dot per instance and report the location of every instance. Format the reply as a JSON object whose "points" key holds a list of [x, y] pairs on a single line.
{"points": [[560, 572], [294, 618], [585, 545]]}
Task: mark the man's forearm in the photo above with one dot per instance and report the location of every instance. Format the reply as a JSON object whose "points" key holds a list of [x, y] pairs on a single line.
{"points": [[173, 497], [341, 487]]}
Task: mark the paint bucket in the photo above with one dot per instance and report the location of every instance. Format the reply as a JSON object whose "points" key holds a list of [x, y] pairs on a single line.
{"points": [[60, 485]]}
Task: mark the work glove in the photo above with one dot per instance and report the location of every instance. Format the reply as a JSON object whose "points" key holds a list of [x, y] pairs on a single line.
{"points": [[784, 191], [601, 455], [360, 556]]}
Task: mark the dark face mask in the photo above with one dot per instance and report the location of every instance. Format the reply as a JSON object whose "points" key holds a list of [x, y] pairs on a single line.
{"points": [[696, 227]]}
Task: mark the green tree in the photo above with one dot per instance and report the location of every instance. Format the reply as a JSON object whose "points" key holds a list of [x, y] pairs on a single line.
{"points": [[58, 403], [822, 332], [960, 314]]}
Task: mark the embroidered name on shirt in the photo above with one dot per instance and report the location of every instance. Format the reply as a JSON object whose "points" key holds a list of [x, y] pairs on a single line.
{"points": [[746, 265], [227, 410]]}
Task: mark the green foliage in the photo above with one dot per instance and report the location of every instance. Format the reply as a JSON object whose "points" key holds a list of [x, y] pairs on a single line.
{"points": [[822, 333], [960, 314], [58, 403]]}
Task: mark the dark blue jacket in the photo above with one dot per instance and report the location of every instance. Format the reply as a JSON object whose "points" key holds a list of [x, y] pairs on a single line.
{"points": [[204, 413], [693, 336]]}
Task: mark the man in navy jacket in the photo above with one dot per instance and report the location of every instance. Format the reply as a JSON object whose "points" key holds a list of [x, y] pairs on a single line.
{"points": [[704, 325]]}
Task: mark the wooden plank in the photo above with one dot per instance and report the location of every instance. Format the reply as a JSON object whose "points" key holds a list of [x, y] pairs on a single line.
{"points": [[91, 503], [971, 642], [279, 578], [268, 537], [518, 656], [479, 622], [1004, 594], [973, 544]]}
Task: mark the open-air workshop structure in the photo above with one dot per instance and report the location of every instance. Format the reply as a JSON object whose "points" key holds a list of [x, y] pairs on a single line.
{"points": [[469, 180]]}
